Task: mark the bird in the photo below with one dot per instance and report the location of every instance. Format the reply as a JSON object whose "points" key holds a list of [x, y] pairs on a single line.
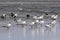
{"points": [[18, 21], [41, 17], [54, 17], [3, 16], [53, 22], [7, 26], [28, 16], [35, 17], [47, 26], [41, 21], [31, 24], [37, 21], [12, 14], [15, 15]]}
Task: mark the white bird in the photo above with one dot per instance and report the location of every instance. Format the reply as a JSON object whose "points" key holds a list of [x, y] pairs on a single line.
{"points": [[54, 16], [47, 11], [41, 21], [41, 17], [54, 22], [9, 24], [19, 20], [35, 17], [24, 22], [4, 14], [20, 8], [48, 26], [32, 23], [37, 21], [15, 15]]}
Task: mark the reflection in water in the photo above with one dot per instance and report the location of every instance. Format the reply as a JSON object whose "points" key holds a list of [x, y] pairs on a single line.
{"points": [[33, 33], [37, 31], [50, 30], [54, 30], [24, 32], [9, 33], [42, 31]]}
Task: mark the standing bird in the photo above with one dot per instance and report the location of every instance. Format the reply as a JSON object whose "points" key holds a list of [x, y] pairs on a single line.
{"points": [[18, 21], [15, 16], [41, 17], [12, 14], [35, 17], [3, 16], [54, 17], [7, 26]]}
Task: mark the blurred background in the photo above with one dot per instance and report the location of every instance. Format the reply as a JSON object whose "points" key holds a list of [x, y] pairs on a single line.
{"points": [[33, 8]]}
